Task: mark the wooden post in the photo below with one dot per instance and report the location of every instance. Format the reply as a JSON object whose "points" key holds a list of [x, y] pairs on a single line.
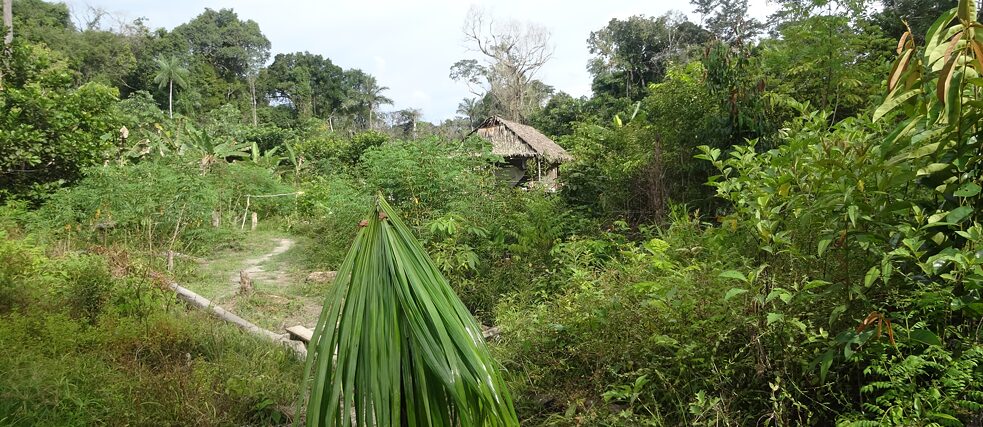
{"points": [[244, 214], [216, 218], [170, 261], [255, 221]]}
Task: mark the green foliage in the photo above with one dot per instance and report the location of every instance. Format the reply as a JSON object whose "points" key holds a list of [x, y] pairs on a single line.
{"points": [[228, 44], [636, 51], [330, 209], [641, 324], [423, 178], [833, 60], [49, 130], [395, 346], [313, 85], [161, 204], [156, 204]]}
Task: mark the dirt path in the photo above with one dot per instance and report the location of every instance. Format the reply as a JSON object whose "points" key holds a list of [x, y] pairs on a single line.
{"points": [[257, 272]]}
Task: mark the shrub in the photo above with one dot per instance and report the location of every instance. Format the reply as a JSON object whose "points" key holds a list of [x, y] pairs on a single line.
{"points": [[330, 209], [422, 178], [154, 203]]}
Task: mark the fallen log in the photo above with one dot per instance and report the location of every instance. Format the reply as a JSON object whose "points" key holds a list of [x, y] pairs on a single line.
{"points": [[203, 303]]}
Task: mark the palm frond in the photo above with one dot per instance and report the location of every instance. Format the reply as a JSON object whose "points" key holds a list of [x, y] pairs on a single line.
{"points": [[394, 346]]}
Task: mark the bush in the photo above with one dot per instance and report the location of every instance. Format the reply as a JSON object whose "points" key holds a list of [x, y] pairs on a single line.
{"points": [[152, 203], [640, 326], [330, 209], [422, 178]]}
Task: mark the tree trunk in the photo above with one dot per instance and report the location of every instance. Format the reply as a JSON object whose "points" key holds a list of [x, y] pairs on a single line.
{"points": [[8, 22], [252, 90], [170, 98]]}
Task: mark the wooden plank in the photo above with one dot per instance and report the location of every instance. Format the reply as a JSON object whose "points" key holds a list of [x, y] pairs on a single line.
{"points": [[301, 333]]}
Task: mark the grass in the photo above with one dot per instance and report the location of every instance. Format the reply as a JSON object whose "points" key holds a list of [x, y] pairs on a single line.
{"points": [[87, 343]]}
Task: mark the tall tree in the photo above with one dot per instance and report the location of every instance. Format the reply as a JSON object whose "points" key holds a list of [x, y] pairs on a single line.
{"points": [[513, 53], [226, 42], [366, 95], [470, 108], [311, 84], [827, 53], [170, 71], [728, 20], [919, 14], [637, 51]]}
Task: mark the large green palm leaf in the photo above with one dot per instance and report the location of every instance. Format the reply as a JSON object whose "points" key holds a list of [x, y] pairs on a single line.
{"points": [[394, 345]]}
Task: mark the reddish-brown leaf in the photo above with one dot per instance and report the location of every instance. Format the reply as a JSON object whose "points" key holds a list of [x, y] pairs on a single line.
{"points": [[945, 79], [899, 69], [901, 42], [952, 46], [978, 53]]}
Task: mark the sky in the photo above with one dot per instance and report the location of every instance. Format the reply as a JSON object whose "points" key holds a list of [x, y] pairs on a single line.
{"points": [[409, 46]]}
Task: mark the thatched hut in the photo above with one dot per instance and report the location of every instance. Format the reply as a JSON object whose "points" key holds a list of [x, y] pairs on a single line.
{"points": [[530, 157]]}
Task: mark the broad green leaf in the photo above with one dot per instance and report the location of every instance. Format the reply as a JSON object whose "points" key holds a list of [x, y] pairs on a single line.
{"points": [[775, 317], [871, 276], [959, 214], [932, 168], [823, 244], [894, 100], [815, 284], [935, 33], [853, 212], [734, 274], [925, 336], [967, 10], [733, 292], [824, 363], [779, 293], [968, 189]]}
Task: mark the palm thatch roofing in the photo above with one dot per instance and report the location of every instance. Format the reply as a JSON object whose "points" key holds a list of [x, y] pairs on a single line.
{"points": [[511, 139]]}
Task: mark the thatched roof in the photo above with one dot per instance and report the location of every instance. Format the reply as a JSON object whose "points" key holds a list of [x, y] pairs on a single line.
{"points": [[519, 140]]}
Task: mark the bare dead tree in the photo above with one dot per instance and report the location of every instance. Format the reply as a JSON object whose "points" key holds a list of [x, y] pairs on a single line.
{"points": [[514, 52]]}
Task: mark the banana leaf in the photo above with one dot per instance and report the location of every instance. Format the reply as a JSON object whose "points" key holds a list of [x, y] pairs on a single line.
{"points": [[394, 346]]}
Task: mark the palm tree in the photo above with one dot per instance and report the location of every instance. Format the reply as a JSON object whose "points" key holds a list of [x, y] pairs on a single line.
{"points": [[469, 108], [372, 96], [169, 72]]}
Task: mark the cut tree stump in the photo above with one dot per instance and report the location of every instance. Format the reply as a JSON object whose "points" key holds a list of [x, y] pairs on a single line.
{"points": [[245, 283], [300, 333]]}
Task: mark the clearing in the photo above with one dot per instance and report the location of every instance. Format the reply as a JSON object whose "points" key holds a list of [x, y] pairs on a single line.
{"points": [[280, 296]]}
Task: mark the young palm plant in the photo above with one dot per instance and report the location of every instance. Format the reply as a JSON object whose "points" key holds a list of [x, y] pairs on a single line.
{"points": [[394, 346]]}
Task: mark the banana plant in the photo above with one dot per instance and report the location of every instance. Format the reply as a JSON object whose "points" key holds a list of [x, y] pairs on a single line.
{"points": [[394, 346], [269, 159]]}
